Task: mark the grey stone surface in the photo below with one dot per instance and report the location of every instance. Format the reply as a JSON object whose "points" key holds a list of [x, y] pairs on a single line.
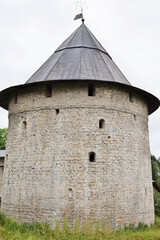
{"points": [[2, 158], [48, 175], [1, 181]]}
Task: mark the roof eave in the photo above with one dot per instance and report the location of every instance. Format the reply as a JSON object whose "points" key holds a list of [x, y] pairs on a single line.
{"points": [[152, 101]]}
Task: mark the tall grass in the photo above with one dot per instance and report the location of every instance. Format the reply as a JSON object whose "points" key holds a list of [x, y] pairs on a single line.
{"points": [[11, 230]]}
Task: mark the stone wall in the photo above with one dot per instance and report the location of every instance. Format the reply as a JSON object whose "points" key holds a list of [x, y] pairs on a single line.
{"points": [[2, 158], [48, 174], [1, 180]]}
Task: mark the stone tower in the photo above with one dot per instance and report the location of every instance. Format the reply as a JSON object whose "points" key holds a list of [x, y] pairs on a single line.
{"points": [[78, 144]]}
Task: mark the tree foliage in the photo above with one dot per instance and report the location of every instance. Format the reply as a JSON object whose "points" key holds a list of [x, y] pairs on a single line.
{"points": [[156, 177], [3, 138], [155, 169]]}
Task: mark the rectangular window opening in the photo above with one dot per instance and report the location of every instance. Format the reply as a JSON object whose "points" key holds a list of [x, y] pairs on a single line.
{"points": [[130, 96], [91, 89], [48, 92], [92, 156], [101, 123], [57, 111]]}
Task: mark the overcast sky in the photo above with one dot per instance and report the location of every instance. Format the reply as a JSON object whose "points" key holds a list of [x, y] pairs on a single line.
{"points": [[129, 30]]}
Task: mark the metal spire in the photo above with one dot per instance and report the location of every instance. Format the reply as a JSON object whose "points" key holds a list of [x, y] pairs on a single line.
{"points": [[82, 12], [81, 15]]}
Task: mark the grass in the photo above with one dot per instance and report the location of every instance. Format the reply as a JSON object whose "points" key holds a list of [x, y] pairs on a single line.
{"points": [[10, 230]]}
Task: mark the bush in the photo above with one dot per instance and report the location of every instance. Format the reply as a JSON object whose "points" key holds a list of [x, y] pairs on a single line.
{"points": [[156, 177], [157, 203]]}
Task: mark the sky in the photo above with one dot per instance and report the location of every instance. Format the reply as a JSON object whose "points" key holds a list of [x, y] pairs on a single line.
{"points": [[129, 30]]}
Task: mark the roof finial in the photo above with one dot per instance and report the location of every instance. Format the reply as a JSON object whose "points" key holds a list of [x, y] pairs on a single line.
{"points": [[81, 15], [82, 10]]}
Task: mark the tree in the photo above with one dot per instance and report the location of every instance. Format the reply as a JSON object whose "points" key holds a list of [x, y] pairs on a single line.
{"points": [[3, 138], [156, 177], [155, 169]]}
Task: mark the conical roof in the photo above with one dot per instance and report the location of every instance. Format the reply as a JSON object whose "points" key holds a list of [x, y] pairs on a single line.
{"points": [[80, 57]]}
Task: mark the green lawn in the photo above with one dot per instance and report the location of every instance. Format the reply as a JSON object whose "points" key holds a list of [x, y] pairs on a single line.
{"points": [[10, 230]]}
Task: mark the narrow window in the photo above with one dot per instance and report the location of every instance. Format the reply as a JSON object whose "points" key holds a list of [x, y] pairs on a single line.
{"points": [[70, 192], [57, 111], [24, 125], [130, 96], [101, 123], [48, 92], [92, 157], [15, 98], [91, 89]]}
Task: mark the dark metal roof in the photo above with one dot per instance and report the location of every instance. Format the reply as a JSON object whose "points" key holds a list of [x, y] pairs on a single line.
{"points": [[81, 57]]}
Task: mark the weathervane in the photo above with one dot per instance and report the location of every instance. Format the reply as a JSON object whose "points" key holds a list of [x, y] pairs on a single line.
{"points": [[80, 4]]}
